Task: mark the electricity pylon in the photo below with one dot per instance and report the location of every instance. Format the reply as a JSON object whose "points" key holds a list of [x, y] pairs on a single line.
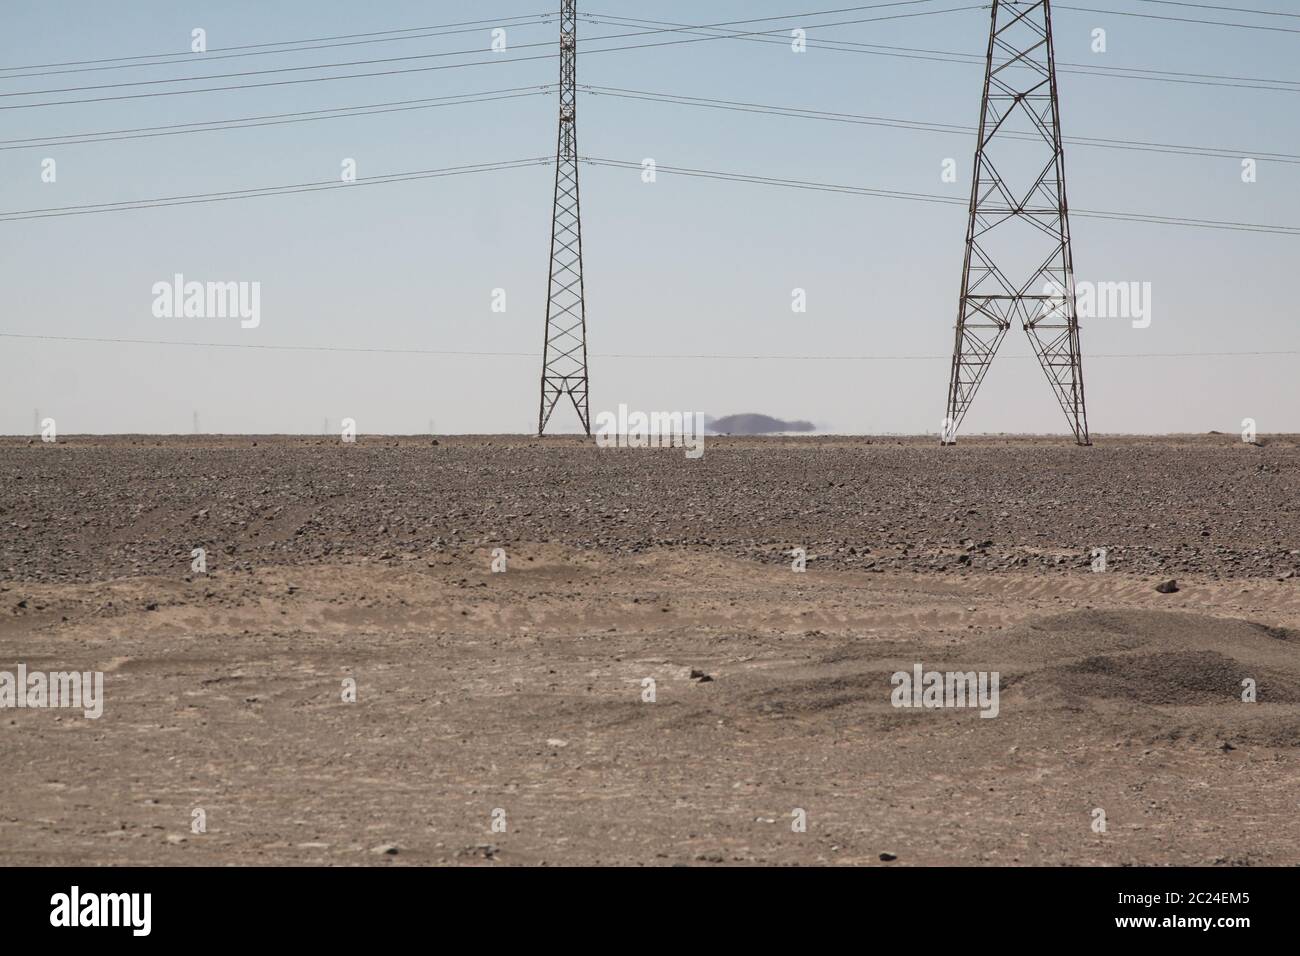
{"points": [[1018, 259], [564, 354]]}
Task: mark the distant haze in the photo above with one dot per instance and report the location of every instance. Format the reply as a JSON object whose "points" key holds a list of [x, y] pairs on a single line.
{"points": [[752, 423]]}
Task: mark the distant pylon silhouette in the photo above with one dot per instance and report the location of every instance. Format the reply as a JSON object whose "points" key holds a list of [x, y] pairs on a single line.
{"points": [[1018, 259], [564, 355]]}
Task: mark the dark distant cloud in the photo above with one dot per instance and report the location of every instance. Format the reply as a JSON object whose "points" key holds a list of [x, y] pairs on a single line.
{"points": [[752, 423]]}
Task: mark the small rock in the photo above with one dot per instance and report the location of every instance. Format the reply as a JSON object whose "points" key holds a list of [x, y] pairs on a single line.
{"points": [[1167, 587], [384, 849], [888, 857]]}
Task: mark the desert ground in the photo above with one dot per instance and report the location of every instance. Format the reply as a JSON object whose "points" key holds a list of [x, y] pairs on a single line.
{"points": [[503, 718]]}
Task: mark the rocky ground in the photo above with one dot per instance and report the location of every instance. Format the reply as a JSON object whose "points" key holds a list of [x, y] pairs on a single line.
{"points": [[505, 718], [90, 508]]}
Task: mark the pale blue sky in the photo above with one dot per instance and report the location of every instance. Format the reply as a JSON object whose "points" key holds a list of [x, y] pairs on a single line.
{"points": [[680, 266]]}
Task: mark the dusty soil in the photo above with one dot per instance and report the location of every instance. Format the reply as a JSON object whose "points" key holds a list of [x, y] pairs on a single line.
{"points": [[519, 696]]}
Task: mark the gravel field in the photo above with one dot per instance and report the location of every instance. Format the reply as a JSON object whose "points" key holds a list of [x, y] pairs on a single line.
{"points": [[91, 508], [503, 718]]}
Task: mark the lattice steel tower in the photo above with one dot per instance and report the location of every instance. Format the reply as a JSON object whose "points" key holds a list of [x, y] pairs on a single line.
{"points": [[1018, 259], [564, 355]]}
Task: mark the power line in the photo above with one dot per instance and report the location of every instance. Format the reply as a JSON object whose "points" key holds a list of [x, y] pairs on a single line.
{"points": [[1197, 79], [422, 56], [923, 126], [344, 112], [179, 58], [274, 70], [382, 350], [264, 347], [348, 36], [252, 86], [944, 200], [1155, 16], [1208, 6], [52, 212], [293, 188], [951, 56], [496, 60], [277, 119], [253, 46]]}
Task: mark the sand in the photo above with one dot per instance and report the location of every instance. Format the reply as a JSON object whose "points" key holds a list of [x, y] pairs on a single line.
{"points": [[502, 718]]}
